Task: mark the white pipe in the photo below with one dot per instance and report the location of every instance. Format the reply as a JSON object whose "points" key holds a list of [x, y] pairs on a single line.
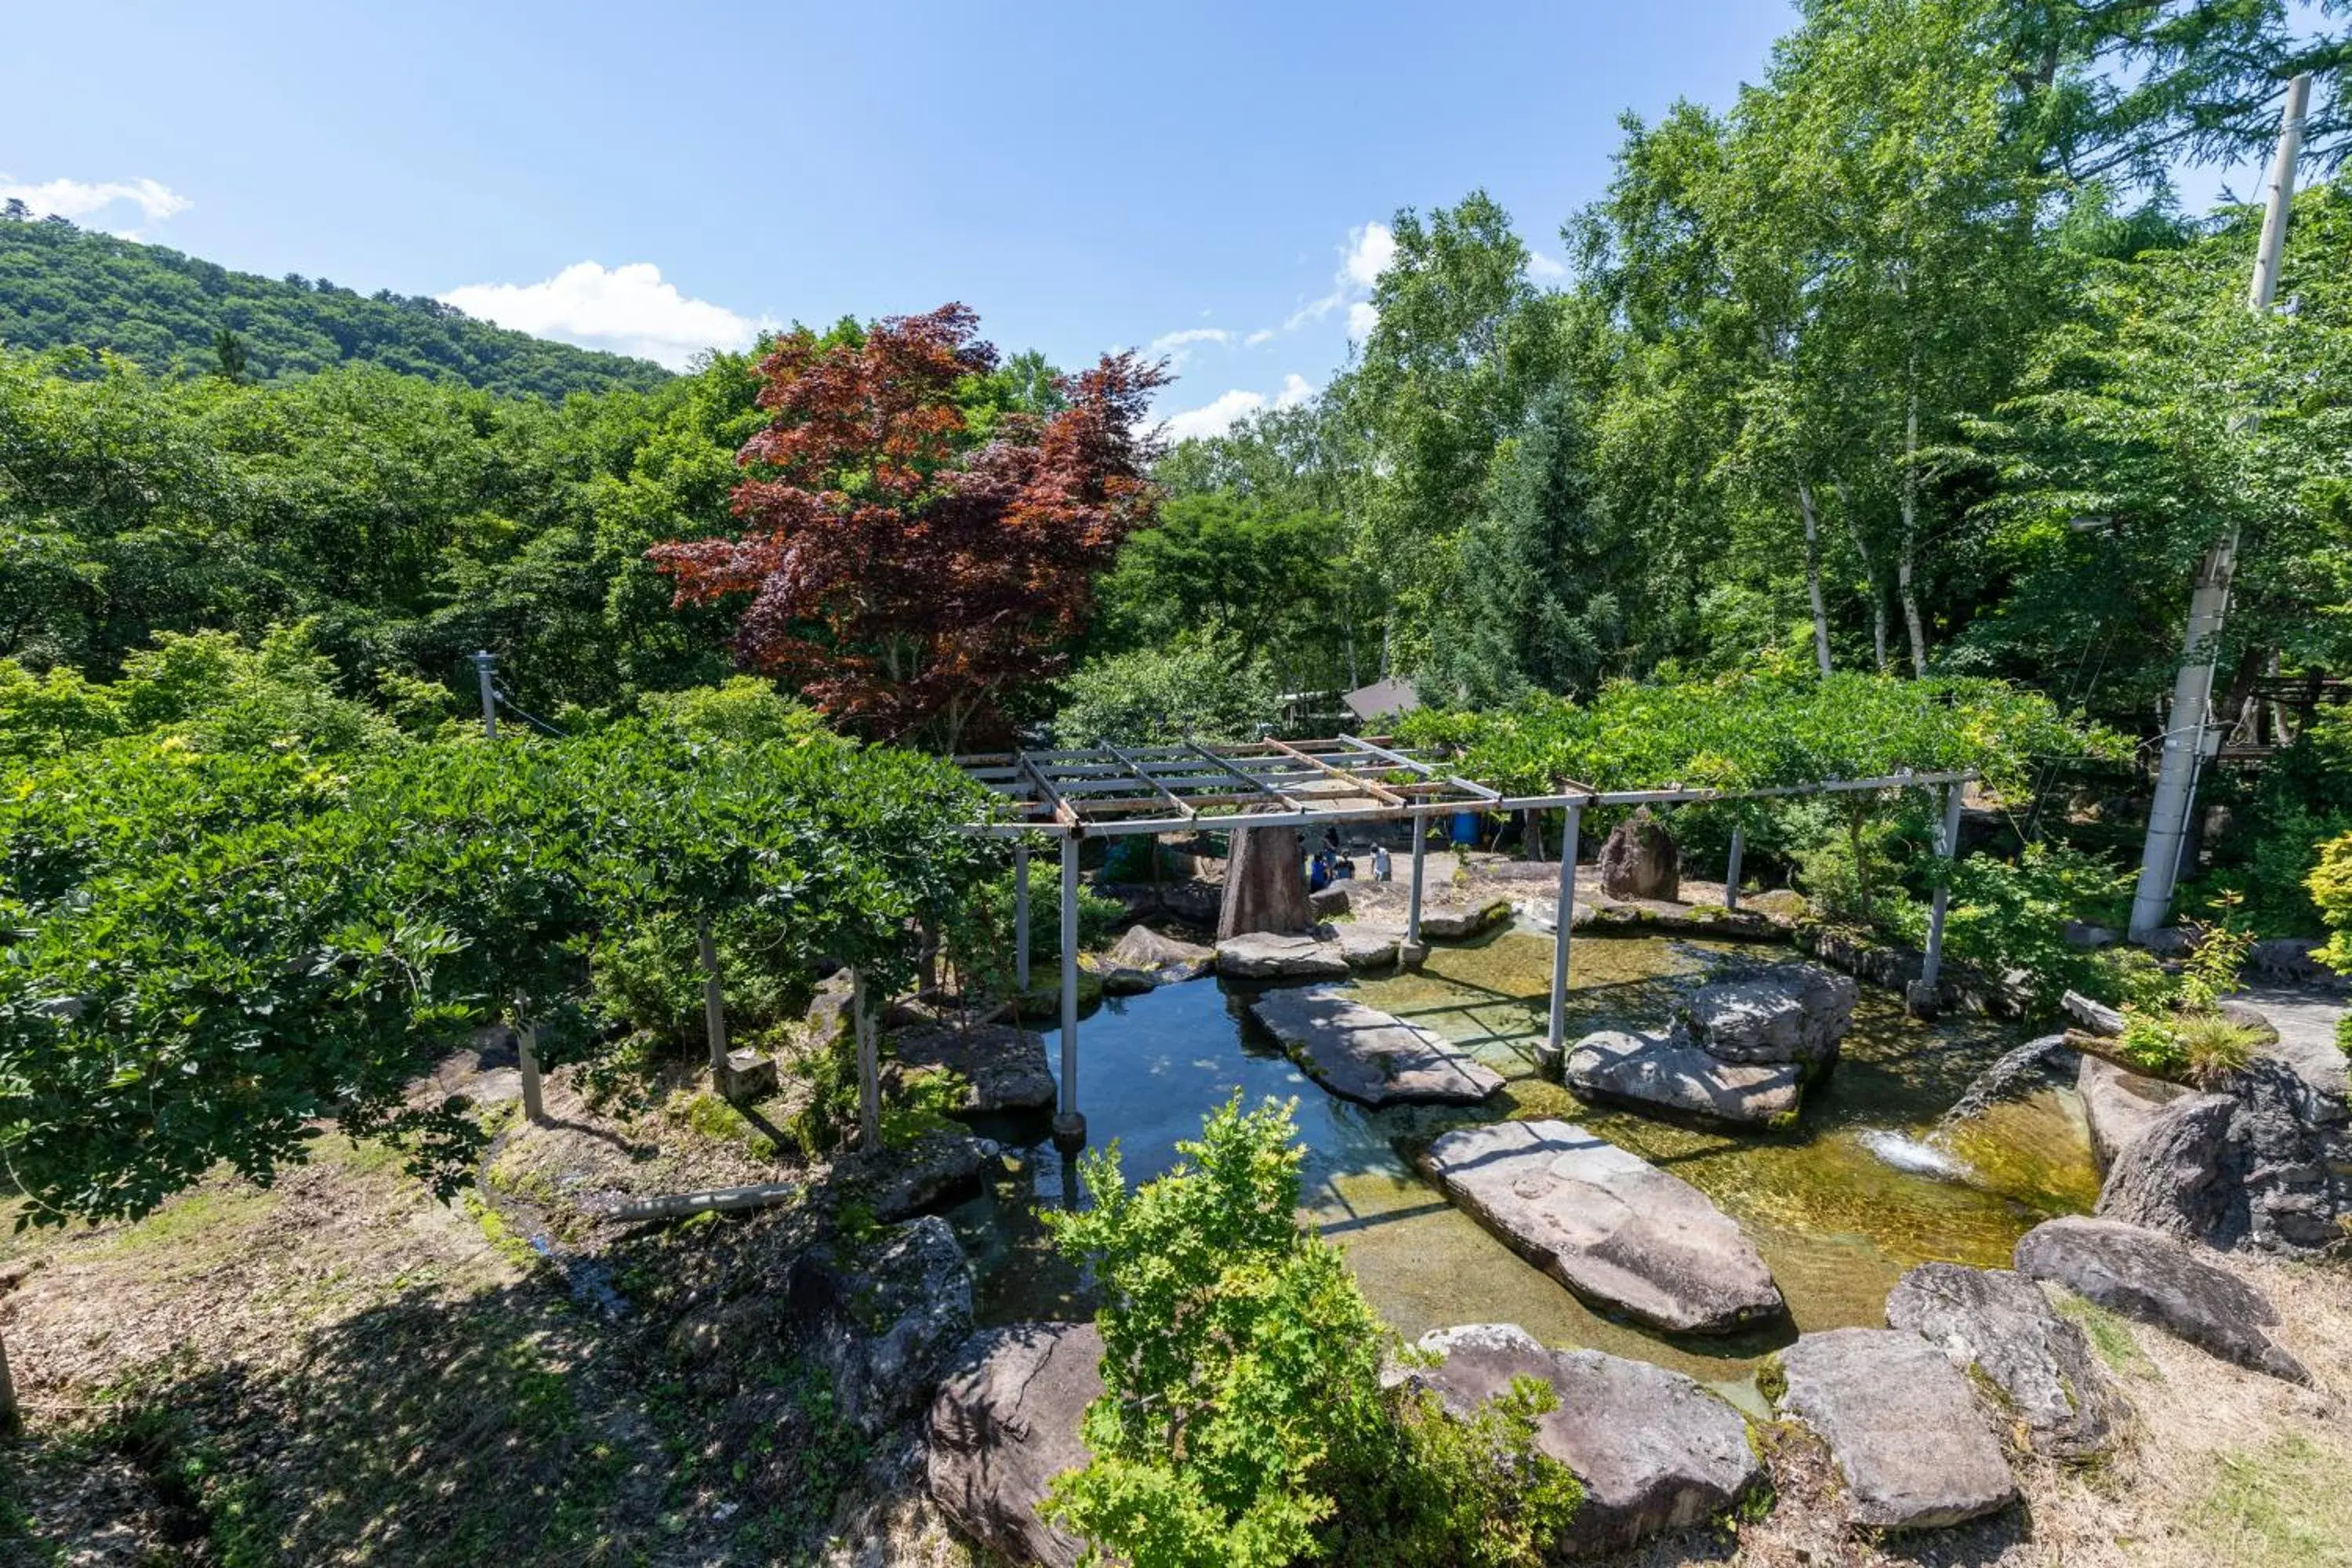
{"points": [[1020, 915], [1070, 974]]}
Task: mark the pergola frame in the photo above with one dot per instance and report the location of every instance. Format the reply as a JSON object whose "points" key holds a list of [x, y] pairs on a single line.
{"points": [[1112, 792]]}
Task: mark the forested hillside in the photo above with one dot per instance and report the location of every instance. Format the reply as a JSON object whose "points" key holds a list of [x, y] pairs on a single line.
{"points": [[60, 286]]}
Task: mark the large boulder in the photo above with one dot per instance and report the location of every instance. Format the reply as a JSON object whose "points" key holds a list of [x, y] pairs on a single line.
{"points": [[1265, 884], [2256, 1166], [1143, 959], [1902, 1425], [1003, 1068], [1781, 1013], [1610, 1226], [1666, 1072], [882, 1319], [1362, 1053], [2119, 1103], [1638, 861], [1004, 1424], [2002, 1324], [2179, 1173], [936, 1168], [2156, 1279], [1653, 1450]]}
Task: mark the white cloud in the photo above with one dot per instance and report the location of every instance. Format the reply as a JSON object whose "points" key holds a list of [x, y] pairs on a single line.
{"points": [[1215, 418], [1361, 319], [1542, 266], [1264, 334], [79, 199], [1167, 341], [1370, 248], [629, 310]]}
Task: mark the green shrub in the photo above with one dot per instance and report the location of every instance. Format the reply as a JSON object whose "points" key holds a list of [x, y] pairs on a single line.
{"points": [[2192, 1047], [1197, 688], [1243, 1421], [2010, 916]]}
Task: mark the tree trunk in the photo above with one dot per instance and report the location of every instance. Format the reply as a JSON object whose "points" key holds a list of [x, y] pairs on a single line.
{"points": [[1870, 572], [1814, 574], [1265, 884], [1531, 840], [1904, 562], [11, 1420]]}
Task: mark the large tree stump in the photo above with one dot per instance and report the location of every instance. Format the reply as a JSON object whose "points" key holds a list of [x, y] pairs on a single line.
{"points": [[1639, 861], [1265, 884]]}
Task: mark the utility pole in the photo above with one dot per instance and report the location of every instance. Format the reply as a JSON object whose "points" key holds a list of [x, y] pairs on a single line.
{"points": [[2170, 813], [485, 663]]}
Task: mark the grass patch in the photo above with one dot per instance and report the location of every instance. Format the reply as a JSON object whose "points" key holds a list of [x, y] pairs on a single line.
{"points": [[2283, 1506], [197, 1227], [711, 1117], [2109, 1335]]}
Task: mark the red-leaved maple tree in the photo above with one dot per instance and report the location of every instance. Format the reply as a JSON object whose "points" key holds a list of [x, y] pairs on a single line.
{"points": [[905, 573]]}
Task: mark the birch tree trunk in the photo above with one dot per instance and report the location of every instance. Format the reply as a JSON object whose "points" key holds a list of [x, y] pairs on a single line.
{"points": [[1813, 573], [1904, 559], [11, 1419]]}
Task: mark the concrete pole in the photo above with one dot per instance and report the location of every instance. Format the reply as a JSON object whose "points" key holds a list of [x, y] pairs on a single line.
{"points": [[485, 663], [1731, 868], [2175, 804], [1948, 845], [869, 1067], [1069, 1126], [1420, 870], [1564, 916], [714, 1000], [534, 1105], [1021, 915]]}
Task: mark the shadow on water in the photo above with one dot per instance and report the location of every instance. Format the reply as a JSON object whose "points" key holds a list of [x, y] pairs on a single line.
{"points": [[1837, 1223]]}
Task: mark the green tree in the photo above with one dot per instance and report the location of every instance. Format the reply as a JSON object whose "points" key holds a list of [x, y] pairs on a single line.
{"points": [[1243, 1420]]}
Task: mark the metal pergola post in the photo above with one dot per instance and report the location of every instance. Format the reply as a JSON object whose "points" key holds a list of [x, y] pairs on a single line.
{"points": [[1948, 845], [1731, 868], [1020, 915], [1419, 866], [534, 1108], [1069, 1126], [1563, 916]]}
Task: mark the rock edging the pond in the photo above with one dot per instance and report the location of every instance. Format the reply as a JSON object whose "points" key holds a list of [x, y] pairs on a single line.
{"points": [[1266, 955], [2158, 1280], [1902, 1425], [2002, 1324], [1362, 1053], [1610, 1226], [1142, 960], [1003, 1425], [1653, 1450]]}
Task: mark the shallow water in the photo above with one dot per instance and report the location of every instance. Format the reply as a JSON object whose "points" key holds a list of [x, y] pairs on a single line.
{"points": [[1837, 1222]]}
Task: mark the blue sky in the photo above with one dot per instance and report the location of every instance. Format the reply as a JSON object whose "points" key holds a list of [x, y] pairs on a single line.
{"points": [[654, 178]]}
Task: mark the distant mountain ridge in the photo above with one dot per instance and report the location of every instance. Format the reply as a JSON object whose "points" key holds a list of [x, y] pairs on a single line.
{"points": [[63, 285]]}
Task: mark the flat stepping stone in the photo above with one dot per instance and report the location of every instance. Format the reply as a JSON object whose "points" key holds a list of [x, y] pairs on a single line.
{"points": [[2002, 1324], [1459, 923], [1665, 1071], [1004, 1424], [1654, 1450], [1608, 1224], [1368, 946], [1268, 955], [1003, 1068], [2156, 1279], [1372, 1058], [1902, 1426]]}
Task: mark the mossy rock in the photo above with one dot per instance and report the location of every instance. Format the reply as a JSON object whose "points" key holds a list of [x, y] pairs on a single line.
{"points": [[1043, 1002]]}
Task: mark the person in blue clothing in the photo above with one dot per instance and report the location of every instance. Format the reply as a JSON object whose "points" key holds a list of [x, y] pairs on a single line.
{"points": [[1318, 872]]}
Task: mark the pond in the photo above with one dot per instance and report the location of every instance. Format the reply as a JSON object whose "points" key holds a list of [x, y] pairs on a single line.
{"points": [[1863, 1189]]}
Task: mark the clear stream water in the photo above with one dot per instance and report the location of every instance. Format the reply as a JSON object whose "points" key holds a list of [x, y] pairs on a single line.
{"points": [[1839, 1207]]}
